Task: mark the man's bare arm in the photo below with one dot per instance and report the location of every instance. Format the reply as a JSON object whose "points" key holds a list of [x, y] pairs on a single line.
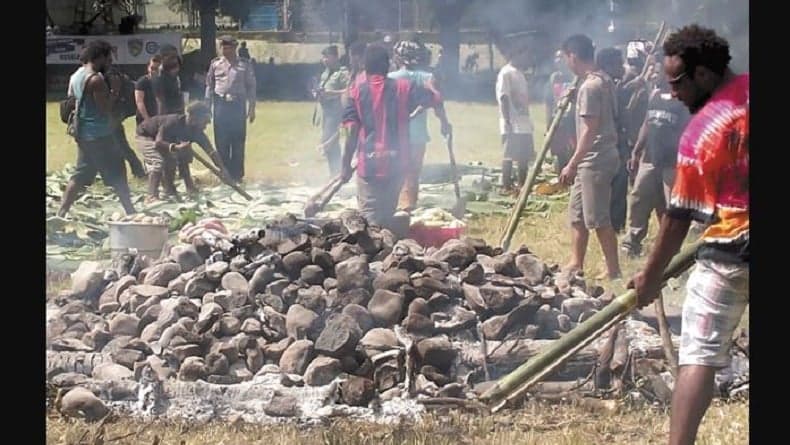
{"points": [[589, 128], [139, 101], [101, 94]]}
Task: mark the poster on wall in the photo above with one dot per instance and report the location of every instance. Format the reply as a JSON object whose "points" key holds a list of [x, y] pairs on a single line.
{"points": [[133, 49]]}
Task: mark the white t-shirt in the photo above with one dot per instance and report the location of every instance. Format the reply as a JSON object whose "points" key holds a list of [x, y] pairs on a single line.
{"points": [[512, 83]]}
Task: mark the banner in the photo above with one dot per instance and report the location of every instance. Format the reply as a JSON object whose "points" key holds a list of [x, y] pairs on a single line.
{"points": [[133, 49]]}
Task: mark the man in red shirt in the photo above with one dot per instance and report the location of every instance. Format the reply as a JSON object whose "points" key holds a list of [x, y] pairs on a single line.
{"points": [[711, 187], [377, 119]]}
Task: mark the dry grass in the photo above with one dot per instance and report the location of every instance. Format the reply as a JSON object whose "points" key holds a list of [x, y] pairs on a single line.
{"points": [[537, 424], [281, 149]]}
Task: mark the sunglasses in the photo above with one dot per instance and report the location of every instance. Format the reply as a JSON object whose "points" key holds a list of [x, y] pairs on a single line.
{"points": [[676, 80]]}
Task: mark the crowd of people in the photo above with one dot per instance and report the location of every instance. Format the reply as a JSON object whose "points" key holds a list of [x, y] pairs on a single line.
{"points": [[670, 122]]}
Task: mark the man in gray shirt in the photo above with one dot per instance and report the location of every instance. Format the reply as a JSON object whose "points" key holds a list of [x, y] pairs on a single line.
{"points": [[595, 162]]}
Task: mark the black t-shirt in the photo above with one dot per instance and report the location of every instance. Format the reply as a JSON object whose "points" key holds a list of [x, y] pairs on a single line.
{"points": [[666, 119], [169, 88], [145, 85], [174, 130]]}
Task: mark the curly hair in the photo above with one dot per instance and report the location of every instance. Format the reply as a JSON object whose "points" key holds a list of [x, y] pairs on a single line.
{"points": [[698, 46]]}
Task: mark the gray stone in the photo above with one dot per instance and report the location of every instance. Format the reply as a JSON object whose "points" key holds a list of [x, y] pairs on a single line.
{"points": [[312, 298], [192, 369], [386, 307], [391, 280], [276, 287], [251, 326], [268, 369], [238, 263], [187, 257], [330, 283], [282, 406], [452, 390], [322, 259], [147, 290], [296, 357], [321, 371], [197, 287], [339, 337], [112, 371], [209, 314], [229, 325], [274, 351], [427, 286], [353, 273], [357, 391], [216, 364], [237, 284], [531, 268], [473, 274], [574, 307], [254, 359], [226, 348], [301, 323], [437, 352], [378, 340], [455, 253], [343, 251], [70, 344], [294, 262], [223, 379], [354, 296], [496, 327], [418, 325], [274, 301], [162, 274], [361, 315], [434, 375], [277, 323], [563, 323], [88, 280], [187, 350], [152, 331], [124, 324], [216, 270], [69, 379], [81, 402], [312, 275], [127, 357], [262, 276], [97, 338]]}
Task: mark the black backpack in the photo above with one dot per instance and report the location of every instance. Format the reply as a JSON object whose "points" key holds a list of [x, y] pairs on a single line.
{"points": [[126, 106]]}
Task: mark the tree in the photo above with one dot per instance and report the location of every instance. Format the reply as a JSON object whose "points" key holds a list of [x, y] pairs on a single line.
{"points": [[207, 11], [447, 14]]}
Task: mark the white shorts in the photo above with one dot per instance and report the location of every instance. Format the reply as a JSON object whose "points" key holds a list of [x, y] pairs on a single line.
{"points": [[716, 296]]}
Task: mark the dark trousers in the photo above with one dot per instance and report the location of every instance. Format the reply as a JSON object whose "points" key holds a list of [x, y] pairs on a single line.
{"points": [[126, 150], [330, 126], [230, 133], [619, 204]]}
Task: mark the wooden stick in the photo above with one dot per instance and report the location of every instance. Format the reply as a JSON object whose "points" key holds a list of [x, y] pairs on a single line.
{"points": [[666, 335]]}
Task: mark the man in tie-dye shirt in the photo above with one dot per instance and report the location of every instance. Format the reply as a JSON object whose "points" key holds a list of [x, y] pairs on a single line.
{"points": [[711, 187]]}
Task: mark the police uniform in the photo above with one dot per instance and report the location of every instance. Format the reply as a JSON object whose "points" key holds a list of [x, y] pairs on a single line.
{"points": [[334, 79], [230, 86]]}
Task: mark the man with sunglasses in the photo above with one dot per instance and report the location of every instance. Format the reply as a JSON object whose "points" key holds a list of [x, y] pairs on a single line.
{"points": [[711, 186]]}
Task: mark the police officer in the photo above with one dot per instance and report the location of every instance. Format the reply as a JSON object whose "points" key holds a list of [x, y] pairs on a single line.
{"points": [[230, 86], [332, 85]]}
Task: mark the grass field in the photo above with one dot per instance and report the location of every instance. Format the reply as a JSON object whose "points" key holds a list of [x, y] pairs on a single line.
{"points": [[281, 149]]}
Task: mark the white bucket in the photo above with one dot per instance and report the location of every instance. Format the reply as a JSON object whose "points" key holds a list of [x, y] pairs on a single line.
{"points": [[147, 239]]}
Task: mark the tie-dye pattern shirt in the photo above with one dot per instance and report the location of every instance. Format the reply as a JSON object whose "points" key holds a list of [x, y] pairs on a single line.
{"points": [[712, 183]]}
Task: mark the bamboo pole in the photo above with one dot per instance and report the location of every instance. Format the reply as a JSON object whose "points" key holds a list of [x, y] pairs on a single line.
{"points": [[515, 214], [519, 381]]}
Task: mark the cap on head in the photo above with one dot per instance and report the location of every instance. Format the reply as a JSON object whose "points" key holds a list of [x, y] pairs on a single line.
{"points": [[227, 41], [330, 50]]}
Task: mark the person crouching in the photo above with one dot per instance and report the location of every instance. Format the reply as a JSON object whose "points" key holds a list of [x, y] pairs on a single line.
{"points": [[162, 140]]}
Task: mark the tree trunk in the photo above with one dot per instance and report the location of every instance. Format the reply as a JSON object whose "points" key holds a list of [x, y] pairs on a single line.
{"points": [[208, 29]]}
